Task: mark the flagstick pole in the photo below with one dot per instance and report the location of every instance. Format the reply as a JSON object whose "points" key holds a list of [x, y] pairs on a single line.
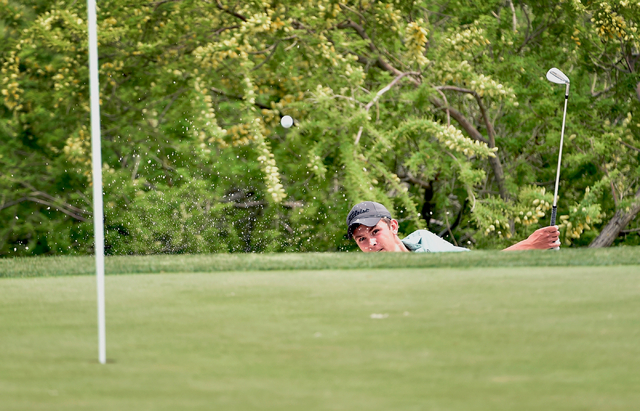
{"points": [[96, 159]]}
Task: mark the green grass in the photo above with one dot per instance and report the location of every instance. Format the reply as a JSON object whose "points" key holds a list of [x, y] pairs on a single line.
{"points": [[56, 266], [525, 338]]}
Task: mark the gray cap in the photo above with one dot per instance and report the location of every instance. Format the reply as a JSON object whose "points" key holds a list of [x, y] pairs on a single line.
{"points": [[366, 213]]}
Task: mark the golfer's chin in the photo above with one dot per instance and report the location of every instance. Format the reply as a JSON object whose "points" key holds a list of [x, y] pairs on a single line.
{"points": [[377, 250]]}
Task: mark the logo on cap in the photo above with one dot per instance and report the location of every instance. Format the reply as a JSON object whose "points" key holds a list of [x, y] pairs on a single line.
{"points": [[356, 213]]}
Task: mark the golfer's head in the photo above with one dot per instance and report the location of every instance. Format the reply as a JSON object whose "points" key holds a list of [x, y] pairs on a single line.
{"points": [[371, 226]]}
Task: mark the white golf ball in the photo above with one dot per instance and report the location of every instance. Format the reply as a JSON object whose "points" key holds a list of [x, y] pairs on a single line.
{"points": [[286, 121]]}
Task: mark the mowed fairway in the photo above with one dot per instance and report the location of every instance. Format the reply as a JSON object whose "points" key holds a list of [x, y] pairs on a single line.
{"points": [[543, 338]]}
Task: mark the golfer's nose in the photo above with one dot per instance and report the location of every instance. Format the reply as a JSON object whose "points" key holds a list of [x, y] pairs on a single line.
{"points": [[372, 242]]}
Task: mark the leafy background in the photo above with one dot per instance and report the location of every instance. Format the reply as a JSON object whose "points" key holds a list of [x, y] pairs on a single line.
{"points": [[439, 111]]}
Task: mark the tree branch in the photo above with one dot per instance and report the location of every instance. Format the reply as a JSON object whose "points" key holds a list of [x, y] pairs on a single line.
{"points": [[599, 93], [173, 99], [223, 29], [47, 203], [344, 6], [388, 87], [487, 123], [64, 204], [275, 47], [12, 203], [513, 16], [461, 119], [380, 62], [58, 207], [630, 146], [359, 29], [233, 13], [446, 102], [377, 97], [416, 181], [222, 93], [252, 204], [496, 165]]}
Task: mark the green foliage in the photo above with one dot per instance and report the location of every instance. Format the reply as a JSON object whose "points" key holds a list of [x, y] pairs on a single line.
{"points": [[440, 112]]}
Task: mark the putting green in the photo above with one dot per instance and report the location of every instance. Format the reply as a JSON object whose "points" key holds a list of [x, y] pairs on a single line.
{"points": [[563, 338]]}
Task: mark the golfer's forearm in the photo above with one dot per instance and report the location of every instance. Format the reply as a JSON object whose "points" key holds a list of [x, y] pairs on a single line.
{"points": [[522, 245]]}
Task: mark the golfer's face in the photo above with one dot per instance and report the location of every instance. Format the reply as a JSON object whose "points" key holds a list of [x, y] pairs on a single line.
{"points": [[377, 238]]}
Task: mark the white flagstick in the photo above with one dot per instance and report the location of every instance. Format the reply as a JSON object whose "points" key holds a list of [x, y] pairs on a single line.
{"points": [[96, 159]]}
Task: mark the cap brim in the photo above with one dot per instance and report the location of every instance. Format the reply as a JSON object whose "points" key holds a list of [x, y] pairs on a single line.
{"points": [[369, 222]]}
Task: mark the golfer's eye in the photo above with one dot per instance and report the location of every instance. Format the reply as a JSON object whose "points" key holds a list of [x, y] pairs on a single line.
{"points": [[375, 232]]}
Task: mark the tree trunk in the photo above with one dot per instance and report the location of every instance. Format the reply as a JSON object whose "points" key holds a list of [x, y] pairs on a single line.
{"points": [[619, 221]]}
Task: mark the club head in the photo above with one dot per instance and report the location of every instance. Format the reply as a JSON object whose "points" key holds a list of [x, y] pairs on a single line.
{"points": [[556, 76]]}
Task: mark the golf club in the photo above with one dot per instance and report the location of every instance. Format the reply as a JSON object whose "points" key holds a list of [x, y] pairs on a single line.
{"points": [[556, 76]]}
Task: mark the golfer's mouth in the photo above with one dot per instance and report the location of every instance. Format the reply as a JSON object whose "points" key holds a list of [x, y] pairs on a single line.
{"points": [[382, 249]]}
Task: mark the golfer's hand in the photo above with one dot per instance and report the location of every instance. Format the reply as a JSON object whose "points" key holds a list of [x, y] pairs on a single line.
{"points": [[542, 239]]}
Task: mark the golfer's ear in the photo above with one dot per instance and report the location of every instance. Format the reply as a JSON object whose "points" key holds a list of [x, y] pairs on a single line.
{"points": [[394, 226]]}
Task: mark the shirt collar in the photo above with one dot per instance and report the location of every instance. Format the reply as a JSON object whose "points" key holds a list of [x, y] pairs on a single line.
{"points": [[411, 246]]}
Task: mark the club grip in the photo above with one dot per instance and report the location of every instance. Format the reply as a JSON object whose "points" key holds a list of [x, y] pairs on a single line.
{"points": [[554, 210]]}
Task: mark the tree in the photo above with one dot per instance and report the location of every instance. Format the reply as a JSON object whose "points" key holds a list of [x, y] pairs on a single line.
{"points": [[438, 112]]}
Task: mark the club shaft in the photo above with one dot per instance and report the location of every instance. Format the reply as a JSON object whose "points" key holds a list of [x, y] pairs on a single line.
{"points": [[564, 117]]}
